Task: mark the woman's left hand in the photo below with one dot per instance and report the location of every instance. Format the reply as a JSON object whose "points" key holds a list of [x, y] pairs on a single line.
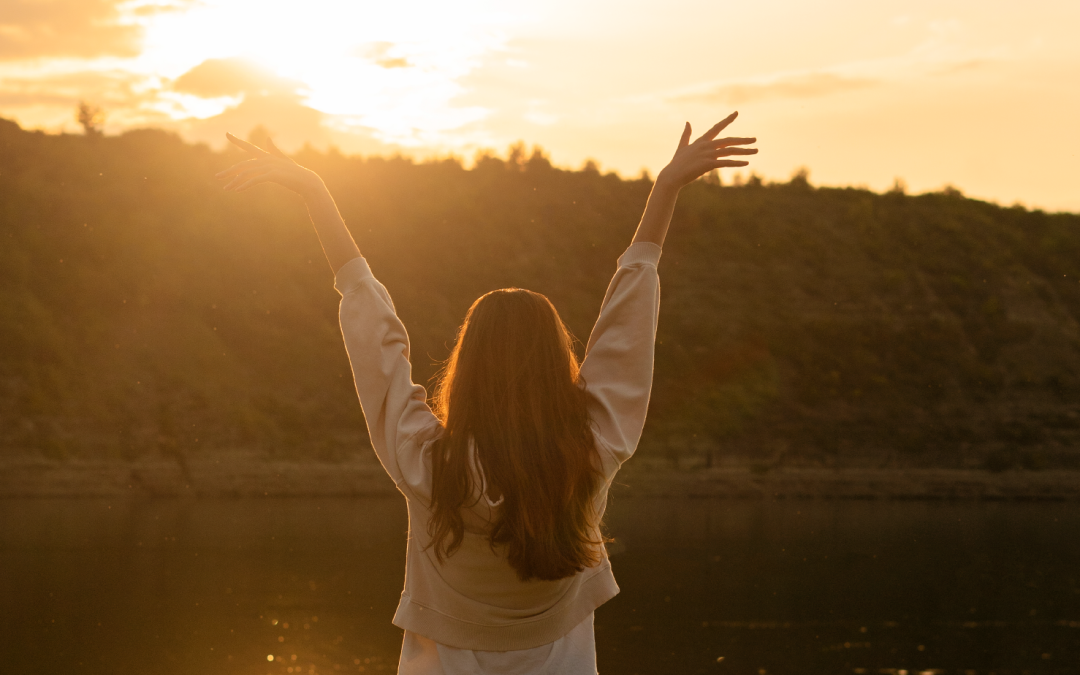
{"points": [[271, 166], [694, 160]]}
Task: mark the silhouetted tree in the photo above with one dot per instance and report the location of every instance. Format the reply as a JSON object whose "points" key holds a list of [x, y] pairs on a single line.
{"points": [[91, 117], [516, 157], [801, 178]]}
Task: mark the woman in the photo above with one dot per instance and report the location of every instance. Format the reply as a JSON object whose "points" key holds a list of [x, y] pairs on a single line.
{"points": [[506, 480]]}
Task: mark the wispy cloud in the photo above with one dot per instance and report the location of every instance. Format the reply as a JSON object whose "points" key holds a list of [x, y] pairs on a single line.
{"points": [[962, 66], [803, 85], [231, 77], [383, 55], [77, 28], [939, 55], [114, 88], [85, 28]]}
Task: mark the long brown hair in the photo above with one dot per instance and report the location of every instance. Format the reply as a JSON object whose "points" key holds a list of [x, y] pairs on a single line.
{"points": [[512, 386]]}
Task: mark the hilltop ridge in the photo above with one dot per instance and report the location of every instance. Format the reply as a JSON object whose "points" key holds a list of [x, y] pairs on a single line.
{"points": [[144, 312]]}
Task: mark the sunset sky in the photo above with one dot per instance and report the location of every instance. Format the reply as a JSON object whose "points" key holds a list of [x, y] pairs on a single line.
{"points": [[981, 95]]}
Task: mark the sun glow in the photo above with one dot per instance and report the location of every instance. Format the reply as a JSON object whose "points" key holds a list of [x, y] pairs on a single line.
{"points": [[861, 93], [388, 72], [390, 67]]}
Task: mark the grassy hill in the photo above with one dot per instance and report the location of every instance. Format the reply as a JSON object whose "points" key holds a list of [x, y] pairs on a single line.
{"points": [[142, 310]]}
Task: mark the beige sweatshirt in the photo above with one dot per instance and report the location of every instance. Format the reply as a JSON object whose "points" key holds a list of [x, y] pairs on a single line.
{"points": [[474, 600]]}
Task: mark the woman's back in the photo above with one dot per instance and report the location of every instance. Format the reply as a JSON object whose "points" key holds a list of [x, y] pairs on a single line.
{"points": [[481, 572], [473, 597]]}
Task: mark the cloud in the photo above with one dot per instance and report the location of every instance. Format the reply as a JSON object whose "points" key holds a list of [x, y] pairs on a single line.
{"points": [[379, 54], [962, 66], [289, 122], [935, 57], [110, 88], [393, 63], [31, 29], [262, 99], [86, 28], [805, 85], [215, 78], [146, 8], [48, 100], [130, 100]]}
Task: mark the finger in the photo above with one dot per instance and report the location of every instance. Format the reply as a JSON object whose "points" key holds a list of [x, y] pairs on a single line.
{"points": [[239, 180], [699, 169], [685, 140], [251, 183], [274, 149], [725, 142], [240, 166], [244, 145], [718, 127], [244, 175], [721, 163], [725, 152]]}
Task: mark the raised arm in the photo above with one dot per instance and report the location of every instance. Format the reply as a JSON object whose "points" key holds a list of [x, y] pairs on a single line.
{"points": [[691, 161], [395, 408], [618, 366], [272, 166]]}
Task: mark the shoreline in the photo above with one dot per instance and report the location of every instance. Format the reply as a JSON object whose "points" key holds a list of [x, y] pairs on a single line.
{"points": [[30, 477], [857, 484]]}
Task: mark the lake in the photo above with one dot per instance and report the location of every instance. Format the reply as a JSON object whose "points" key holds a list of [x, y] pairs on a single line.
{"points": [[278, 586]]}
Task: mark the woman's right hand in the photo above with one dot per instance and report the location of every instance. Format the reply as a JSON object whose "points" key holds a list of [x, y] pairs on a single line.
{"points": [[268, 166]]}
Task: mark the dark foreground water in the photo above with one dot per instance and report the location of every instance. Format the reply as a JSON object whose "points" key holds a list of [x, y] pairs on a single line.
{"points": [[208, 587]]}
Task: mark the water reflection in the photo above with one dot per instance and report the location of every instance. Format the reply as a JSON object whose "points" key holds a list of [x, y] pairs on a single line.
{"points": [[309, 586]]}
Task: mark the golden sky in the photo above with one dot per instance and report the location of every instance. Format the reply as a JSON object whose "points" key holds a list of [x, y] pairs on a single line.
{"points": [[981, 95]]}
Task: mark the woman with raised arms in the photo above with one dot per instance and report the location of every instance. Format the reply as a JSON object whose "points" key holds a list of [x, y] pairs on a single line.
{"points": [[506, 470]]}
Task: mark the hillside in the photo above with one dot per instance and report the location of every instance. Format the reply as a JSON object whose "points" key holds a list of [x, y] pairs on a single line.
{"points": [[143, 311]]}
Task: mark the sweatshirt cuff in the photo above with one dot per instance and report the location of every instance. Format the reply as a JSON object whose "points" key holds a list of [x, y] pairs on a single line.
{"points": [[351, 275], [643, 252]]}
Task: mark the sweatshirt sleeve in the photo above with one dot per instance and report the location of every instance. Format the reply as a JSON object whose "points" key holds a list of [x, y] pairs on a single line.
{"points": [[618, 366], [396, 410]]}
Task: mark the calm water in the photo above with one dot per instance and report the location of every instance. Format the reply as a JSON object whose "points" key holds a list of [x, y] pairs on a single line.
{"points": [[173, 586]]}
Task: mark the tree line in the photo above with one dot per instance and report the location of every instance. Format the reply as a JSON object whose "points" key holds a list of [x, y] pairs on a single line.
{"points": [[143, 311]]}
